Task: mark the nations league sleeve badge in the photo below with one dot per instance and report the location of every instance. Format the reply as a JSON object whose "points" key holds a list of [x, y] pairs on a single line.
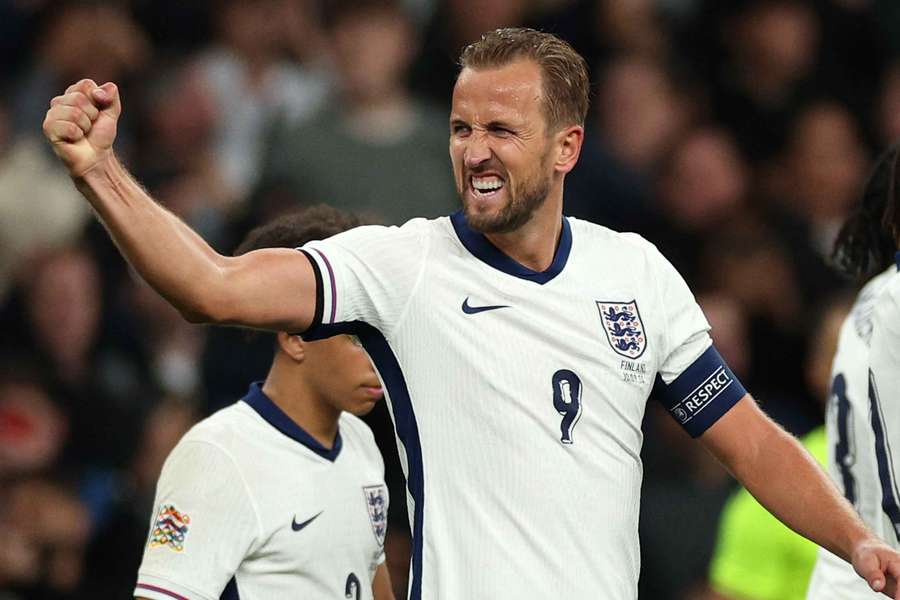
{"points": [[170, 528]]}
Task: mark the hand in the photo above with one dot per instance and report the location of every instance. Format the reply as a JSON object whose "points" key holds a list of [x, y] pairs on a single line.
{"points": [[879, 565], [81, 125]]}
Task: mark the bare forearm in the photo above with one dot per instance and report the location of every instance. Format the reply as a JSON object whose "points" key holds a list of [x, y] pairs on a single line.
{"points": [[789, 483], [170, 256]]}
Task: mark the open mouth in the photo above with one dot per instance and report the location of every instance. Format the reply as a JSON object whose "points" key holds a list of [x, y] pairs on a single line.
{"points": [[486, 185]]}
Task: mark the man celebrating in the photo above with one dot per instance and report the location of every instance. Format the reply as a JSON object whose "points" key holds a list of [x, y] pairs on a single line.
{"points": [[517, 347]]}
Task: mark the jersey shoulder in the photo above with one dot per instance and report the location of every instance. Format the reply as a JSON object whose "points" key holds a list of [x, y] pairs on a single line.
{"points": [[625, 252], [355, 432], [892, 287], [220, 428], [593, 236], [413, 231]]}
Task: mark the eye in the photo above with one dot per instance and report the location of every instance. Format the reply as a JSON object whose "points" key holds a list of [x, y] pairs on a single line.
{"points": [[460, 129], [500, 131]]}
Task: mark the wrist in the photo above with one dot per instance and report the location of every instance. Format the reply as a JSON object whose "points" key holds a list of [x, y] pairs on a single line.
{"points": [[104, 171]]}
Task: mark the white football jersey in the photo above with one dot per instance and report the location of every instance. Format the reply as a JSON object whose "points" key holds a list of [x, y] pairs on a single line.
{"points": [[851, 444], [518, 395], [884, 399], [249, 505]]}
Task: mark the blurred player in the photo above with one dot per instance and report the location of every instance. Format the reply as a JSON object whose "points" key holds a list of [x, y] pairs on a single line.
{"points": [[859, 420], [518, 347], [281, 495]]}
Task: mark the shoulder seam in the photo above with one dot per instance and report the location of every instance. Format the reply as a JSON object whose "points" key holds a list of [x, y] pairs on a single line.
{"points": [[259, 527]]}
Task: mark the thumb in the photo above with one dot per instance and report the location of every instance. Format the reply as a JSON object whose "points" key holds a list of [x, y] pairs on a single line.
{"points": [[107, 98], [867, 564]]}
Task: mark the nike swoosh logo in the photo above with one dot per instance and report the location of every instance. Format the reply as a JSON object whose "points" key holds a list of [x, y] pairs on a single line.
{"points": [[298, 526], [473, 310]]}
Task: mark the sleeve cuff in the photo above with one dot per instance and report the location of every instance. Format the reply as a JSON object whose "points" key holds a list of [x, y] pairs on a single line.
{"points": [[157, 588], [320, 300]]}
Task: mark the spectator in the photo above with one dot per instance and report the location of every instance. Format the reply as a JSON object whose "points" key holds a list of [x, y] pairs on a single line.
{"points": [[394, 145]]}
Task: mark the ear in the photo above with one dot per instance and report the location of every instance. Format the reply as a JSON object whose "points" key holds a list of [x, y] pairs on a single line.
{"points": [[569, 142], [292, 345]]}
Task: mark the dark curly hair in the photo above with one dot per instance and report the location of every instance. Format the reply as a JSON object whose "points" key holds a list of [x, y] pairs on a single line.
{"points": [[869, 238], [295, 229]]}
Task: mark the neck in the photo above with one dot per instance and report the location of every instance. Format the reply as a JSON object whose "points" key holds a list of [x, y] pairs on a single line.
{"points": [[290, 391], [534, 244]]}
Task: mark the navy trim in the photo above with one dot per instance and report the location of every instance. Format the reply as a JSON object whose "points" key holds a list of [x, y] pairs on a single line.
{"points": [[278, 419], [482, 248], [404, 420], [703, 392], [231, 591], [897, 260], [320, 294], [889, 503]]}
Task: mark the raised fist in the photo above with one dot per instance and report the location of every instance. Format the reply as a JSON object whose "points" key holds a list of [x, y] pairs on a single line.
{"points": [[81, 124]]}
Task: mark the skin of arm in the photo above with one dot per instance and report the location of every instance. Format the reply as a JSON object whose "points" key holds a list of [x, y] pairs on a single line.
{"points": [[381, 584], [784, 478], [268, 289]]}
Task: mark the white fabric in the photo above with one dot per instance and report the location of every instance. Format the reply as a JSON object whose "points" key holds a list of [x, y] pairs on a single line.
{"points": [[833, 578], [243, 484], [510, 511]]}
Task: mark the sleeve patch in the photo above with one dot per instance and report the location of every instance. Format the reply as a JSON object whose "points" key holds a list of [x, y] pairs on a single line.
{"points": [[704, 392], [170, 528]]}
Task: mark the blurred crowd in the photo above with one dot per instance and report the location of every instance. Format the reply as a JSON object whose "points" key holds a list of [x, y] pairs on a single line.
{"points": [[735, 135]]}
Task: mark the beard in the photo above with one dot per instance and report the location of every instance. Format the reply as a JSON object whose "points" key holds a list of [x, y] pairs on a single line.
{"points": [[523, 201]]}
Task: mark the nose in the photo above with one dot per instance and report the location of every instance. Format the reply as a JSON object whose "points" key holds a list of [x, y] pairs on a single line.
{"points": [[477, 150]]}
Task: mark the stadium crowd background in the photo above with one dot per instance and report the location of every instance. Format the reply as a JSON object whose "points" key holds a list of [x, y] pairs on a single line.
{"points": [[734, 135]]}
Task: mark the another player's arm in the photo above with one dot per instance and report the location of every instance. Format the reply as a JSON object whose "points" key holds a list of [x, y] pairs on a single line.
{"points": [[272, 288], [784, 478], [381, 584]]}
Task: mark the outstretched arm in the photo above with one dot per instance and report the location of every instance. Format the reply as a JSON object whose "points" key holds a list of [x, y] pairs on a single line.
{"points": [[776, 469], [271, 289]]}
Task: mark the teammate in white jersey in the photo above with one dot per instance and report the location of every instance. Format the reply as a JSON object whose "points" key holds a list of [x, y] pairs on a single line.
{"points": [[518, 347], [864, 245], [282, 494]]}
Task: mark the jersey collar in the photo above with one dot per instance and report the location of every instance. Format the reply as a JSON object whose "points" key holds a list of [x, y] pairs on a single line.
{"points": [[482, 248], [278, 419]]}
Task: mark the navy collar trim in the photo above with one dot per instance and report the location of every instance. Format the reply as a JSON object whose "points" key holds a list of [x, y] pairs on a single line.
{"points": [[897, 260], [277, 418], [482, 248]]}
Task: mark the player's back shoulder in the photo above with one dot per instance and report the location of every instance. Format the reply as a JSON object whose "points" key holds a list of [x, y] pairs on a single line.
{"points": [[886, 315], [892, 286]]}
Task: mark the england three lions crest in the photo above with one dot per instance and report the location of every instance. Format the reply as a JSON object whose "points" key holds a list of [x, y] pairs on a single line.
{"points": [[377, 503], [623, 327]]}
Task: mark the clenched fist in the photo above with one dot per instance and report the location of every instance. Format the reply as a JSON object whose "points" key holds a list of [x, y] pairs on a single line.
{"points": [[81, 125]]}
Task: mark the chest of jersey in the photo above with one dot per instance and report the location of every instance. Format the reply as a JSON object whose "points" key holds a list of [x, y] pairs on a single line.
{"points": [[322, 529], [572, 360]]}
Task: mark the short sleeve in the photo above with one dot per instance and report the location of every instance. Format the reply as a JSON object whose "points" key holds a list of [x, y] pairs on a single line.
{"points": [[884, 403], [202, 526], [693, 381], [366, 274], [686, 327]]}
